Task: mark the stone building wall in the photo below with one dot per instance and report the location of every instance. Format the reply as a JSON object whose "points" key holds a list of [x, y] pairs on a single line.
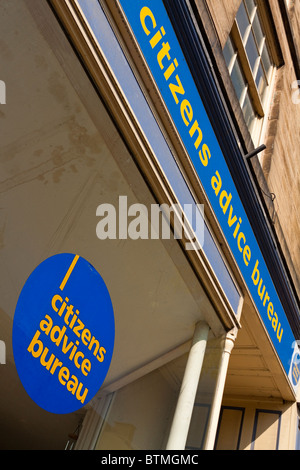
{"points": [[278, 168], [282, 165]]}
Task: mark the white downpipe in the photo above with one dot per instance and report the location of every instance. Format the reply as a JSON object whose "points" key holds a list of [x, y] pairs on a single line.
{"points": [[185, 403], [218, 396]]}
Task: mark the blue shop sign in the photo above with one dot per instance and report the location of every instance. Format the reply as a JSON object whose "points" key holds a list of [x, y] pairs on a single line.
{"points": [[158, 42]]}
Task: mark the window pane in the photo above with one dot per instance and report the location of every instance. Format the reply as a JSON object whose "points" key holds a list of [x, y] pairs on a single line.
{"points": [[228, 52], [249, 113], [250, 4], [266, 61], [251, 51], [259, 35], [238, 80], [261, 81], [242, 20]]}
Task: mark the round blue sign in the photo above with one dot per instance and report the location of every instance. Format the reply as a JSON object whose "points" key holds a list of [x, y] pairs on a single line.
{"points": [[63, 333], [295, 372]]}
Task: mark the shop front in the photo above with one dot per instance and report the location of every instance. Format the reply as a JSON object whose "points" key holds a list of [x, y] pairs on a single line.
{"points": [[109, 151]]}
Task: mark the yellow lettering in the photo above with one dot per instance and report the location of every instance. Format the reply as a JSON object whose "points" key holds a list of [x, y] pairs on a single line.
{"points": [[270, 311], [86, 366], [63, 375], [261, 289], [170, 70], [147, 13], [82, 397], [96, 342], [46, 325], [275, 321], [216, 183], [255, 274], [35, 341], [56, 364], [72, 384], [186, 112], [77, 355], [247, 255], [225, 199], [100, 357], [177, 89], [43, 361], [86, 336], [240, 237], [53, 302], [267, 297], [206, 155], [195, 127], [279, 333]]}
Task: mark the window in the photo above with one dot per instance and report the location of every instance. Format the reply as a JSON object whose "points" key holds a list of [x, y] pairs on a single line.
{"points": [[250, 65]]}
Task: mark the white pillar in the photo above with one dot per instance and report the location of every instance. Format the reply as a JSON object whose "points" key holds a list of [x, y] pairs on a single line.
{"points": [[185, 403], [218, 396]]}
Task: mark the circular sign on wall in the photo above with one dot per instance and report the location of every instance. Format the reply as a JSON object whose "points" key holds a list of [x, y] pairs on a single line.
{"points": [[63, 333], [295, 369]]}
